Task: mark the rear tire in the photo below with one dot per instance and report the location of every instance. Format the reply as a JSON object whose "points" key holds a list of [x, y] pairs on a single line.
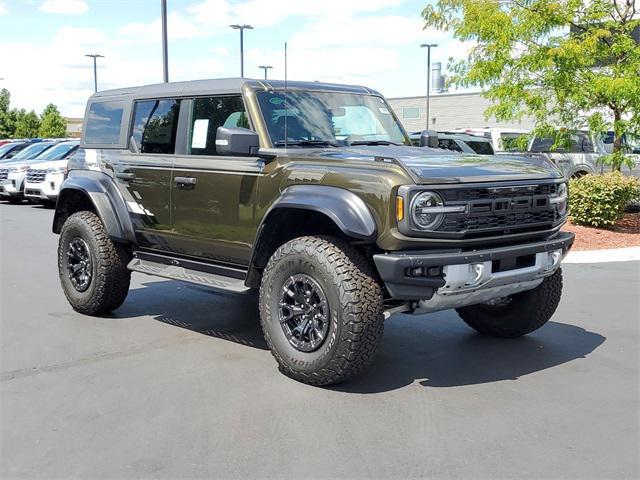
{"points": [[100, 279], [329, 344], [522, 313]]}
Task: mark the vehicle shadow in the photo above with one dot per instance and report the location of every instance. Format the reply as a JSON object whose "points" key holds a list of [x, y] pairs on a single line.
{"points": [[440, 350], [436, 350], [229, 317]]}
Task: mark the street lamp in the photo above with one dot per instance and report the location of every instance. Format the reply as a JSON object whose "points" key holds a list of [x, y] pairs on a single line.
{"points": [[242, 29], [165, 47], [95, 69], [428, 46], [265, 68]]}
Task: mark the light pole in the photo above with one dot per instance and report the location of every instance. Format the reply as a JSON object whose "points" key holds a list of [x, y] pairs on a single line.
{"points": [[165, 47], [428, 46], [95, 69], [265, 68], [242, 29]]}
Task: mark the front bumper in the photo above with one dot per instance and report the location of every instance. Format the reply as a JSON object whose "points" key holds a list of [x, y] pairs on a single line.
{"points": [[12, 186], [48, 189], [456, 278]]}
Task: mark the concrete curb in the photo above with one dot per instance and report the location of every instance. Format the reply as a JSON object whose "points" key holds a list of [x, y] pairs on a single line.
{"points": [[601, 256]]}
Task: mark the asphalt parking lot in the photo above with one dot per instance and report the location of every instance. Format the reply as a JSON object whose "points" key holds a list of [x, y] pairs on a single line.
{"points": [[178, 383]]}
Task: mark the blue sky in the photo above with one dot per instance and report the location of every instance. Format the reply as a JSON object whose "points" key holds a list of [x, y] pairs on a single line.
{"points": [[371, 42]]}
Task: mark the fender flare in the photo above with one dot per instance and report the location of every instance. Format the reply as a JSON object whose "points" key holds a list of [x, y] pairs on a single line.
{"points": [[100, 189], [347, 210]]}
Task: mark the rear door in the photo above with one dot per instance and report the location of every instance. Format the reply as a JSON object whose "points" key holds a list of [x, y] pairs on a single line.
{"points": [[145, 169], [213, 207]]}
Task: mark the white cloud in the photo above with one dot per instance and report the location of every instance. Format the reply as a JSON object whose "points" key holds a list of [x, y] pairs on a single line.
{"points": [[3, 9], [178, 27], [64, 6]]}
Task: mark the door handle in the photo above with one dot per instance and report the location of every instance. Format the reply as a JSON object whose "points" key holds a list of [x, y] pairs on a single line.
{"points": [[185, 182], [128, 176]]}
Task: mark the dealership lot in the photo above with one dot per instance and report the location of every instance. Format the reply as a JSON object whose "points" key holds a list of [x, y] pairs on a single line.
{"points": [[178, 383]]}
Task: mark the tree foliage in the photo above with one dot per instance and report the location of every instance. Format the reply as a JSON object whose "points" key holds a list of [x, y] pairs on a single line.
{"points": [[27, 124], [53, 125], [566, 63], [16, 123]]}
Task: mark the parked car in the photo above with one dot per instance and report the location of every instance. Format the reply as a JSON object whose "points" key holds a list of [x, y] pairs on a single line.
{"points": [[583, 154], [311, 193], [459, 142], [502, 139], [44, 179], [14, 171]]}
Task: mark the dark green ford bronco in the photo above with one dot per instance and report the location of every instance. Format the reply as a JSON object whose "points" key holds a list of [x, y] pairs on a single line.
{"points": [[311, 194]]}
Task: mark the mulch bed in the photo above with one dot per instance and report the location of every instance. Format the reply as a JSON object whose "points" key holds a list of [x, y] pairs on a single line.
{"points": [[626, 233]]}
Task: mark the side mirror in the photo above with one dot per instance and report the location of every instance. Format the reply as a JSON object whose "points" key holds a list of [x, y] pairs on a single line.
{"points": [[429, 138], [236, 141]]}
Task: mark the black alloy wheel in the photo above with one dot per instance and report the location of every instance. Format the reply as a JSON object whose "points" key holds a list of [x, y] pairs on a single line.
{"points": [[304, 313], [80, 267]]}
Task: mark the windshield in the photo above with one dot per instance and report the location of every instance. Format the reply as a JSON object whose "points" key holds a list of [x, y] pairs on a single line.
{"points": [[6, 147], [58, 152], [32, 151], [333, 119]]}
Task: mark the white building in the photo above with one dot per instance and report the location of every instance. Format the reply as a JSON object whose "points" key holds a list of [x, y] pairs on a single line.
{"points": [[448, 111]]}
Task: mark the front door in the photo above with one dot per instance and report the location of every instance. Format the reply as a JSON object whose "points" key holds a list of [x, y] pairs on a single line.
{"points": [[213, 196]]}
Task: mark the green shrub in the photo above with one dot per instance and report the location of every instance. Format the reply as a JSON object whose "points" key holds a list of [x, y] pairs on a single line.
{"points": [[600, 200]]}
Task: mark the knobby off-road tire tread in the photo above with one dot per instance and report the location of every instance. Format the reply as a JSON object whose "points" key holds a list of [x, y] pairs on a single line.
{"points": [[112, 278], [360, 306], [528, 311]]}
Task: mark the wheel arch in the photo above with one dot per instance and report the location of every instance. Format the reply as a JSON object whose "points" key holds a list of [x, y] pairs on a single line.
{"points": [[310, 210], [97, 192]]}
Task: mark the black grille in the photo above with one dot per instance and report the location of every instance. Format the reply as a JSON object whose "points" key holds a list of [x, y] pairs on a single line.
{"points": [[467, 194], [4, 174], [508, 221], [36, 176], [494, 211]]}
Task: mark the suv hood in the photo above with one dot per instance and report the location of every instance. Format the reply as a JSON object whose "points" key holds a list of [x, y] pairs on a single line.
{"points": [[430, 165], [50, 164]]}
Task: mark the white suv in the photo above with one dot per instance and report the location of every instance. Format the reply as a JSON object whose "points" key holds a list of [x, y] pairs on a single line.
{"points": [[44, 178], [14, 171]]}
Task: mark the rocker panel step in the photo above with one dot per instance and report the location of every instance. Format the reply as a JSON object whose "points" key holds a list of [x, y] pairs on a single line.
{"points": [[178, 272]]}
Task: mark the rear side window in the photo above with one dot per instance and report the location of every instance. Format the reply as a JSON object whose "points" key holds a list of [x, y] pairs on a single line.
{"points": [[103, 123], [448, 144], [210, 113], [482, 148], [155, 125]]}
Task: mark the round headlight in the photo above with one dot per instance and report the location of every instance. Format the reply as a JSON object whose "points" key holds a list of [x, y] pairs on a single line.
{"points": [[421, 215]]}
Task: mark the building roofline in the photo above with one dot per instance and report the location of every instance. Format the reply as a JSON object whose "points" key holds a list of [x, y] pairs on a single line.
{"points": [[437, 95]]}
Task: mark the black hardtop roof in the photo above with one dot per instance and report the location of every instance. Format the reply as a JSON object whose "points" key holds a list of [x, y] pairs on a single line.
{"points": [[221, 86]]}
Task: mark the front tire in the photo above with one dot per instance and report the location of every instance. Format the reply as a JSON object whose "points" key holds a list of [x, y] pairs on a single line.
{"points": [[519, 314], [92, 268], [321, 310]]}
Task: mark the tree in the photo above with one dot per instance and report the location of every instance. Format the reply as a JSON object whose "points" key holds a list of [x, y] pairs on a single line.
{"points": [[567, 63], [7, 117], [53, 125], [27, 124]]}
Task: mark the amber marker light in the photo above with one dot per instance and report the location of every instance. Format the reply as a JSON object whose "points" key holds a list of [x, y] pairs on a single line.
{"points": [[399, 208]]}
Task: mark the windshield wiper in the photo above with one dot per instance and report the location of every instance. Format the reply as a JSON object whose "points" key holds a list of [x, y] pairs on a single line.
{"points": [[306, 143], [373, 142]]}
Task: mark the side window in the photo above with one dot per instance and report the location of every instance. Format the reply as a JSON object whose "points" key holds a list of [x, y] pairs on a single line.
{"points": [[210, 113], [103, 123], [449, 144], [155, 124]]}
